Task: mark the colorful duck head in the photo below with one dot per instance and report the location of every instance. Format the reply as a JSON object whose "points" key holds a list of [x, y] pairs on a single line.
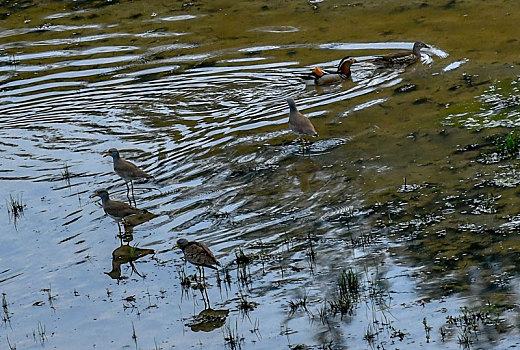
{"points": [[344, 65], [318, 72]]}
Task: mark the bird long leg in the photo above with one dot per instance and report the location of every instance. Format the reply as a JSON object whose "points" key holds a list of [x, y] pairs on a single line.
{"points": [[128, 193], [134, 269], [203, 295], [133, 195], [204, 290], [207, 298], [200, 274]]}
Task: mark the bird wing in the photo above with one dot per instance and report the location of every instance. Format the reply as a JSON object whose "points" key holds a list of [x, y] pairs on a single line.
{"points": [[397, 54], [124, 166], [199, 254], [120, 209]]}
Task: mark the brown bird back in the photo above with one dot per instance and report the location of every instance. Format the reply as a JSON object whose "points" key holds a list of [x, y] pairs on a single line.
{"points": [[199, 254], [120, 209], [299, 123], [128, 170]]}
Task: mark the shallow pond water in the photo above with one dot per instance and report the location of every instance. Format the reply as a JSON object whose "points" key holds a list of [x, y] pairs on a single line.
{"points": [[397, 228]]}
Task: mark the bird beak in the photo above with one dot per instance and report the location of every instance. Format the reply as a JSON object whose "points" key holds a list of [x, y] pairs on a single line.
{"points": [[317, 71], [106, 154], [175, 245], [94, 195]]}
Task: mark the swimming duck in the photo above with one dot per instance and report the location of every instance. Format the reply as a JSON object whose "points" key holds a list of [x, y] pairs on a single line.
{"points": [[320, 76], [402, 58]]}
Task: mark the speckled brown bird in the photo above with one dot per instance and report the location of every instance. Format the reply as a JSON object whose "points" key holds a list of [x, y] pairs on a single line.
{"points": [[128, 171], [402, 58], [197, 253]]}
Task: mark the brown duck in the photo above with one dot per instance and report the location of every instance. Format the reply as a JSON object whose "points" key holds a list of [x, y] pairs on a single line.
{"points": [[402, 58]]}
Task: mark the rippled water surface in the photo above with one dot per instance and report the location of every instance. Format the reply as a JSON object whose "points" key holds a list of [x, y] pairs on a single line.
{"points": [[409, 192]]}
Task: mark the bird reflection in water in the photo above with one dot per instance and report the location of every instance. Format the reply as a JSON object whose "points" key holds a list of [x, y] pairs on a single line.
{"points": [[126, 254], [208, 320], [131, 221]]}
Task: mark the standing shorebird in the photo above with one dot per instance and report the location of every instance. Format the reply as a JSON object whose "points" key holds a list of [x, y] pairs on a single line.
{"points": [[402, 58], [128, 171], [198, 254], [300, 124], [115, 209], [320, 76]]}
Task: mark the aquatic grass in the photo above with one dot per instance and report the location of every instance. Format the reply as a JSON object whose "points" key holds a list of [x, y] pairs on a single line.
{"points": [[443, 334], [50, 297], [311, 254], [348, 283], [183, 278], [427, 329], [406, 188], [343, 306], [512, 143], [42, 336], [370, 335], [484, 204], [65, 174], [396, 333], [150, 304], [508, 146], [464, 340], [256, 330], [15, 207], [227, 276], [497, 106], [11, 346], [323, 312], [241, 258], [233, 339], [5, 316], [469, 322], [298, 303], [244, 305], [347, 293], [134, 335], [13, 60]]}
